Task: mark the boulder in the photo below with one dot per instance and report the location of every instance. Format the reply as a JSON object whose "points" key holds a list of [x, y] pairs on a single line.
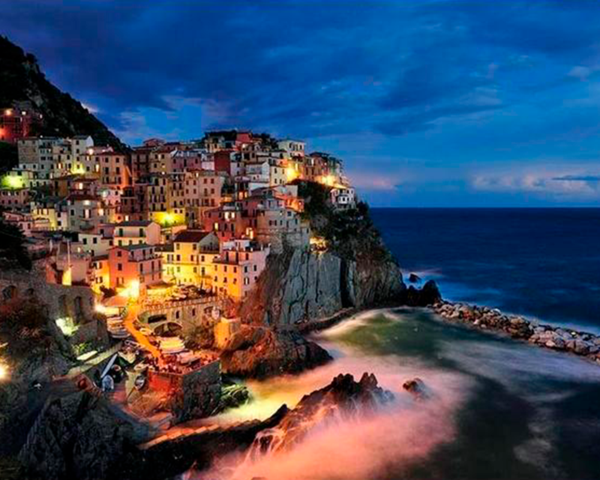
{"points": [[414, 278], [343, 398], [416, 387], [428, 295], [80, 436], [266, 352]]}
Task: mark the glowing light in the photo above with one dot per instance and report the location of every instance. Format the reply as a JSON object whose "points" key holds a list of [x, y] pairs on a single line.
{"points": [[3, 372], [328, 180], [318, 243], [132, 291], [77, 169], [12, 182], [8, 112], [67, 278], [100, 308], [168, 219], [291, 174]]}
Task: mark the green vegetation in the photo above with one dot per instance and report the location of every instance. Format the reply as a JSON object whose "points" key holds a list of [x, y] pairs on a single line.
{"points": [[349, 233], [22, 80], [9, 157], [12, 247]]}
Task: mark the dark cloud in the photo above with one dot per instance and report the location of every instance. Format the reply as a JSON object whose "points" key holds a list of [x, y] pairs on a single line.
{"points": [[326, 70], [578, 178]]}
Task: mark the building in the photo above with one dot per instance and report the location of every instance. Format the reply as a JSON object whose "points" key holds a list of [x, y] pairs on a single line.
{"points": [[203, 191], [134, 268], [190, 260], [114, 169], [343, 198], [136, 232], [17, 123], [293, 147], [14, 198], [238, 267]]}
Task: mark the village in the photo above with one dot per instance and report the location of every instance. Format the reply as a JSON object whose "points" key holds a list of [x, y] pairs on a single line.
{"points": [[143, 256]]}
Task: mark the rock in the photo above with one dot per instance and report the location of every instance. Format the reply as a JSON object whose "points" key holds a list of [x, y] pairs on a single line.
{"points": [[266, 352], [428, 295], [80, 436], [414, 278], [299, 285], [416, 387], [343, 398], [172, 455]]}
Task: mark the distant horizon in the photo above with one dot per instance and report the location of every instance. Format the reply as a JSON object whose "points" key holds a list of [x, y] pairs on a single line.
{"points": [[457, 104], [522, 207]]}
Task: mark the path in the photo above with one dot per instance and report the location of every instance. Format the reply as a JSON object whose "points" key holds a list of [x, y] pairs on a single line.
{"points": [[132, 314]]}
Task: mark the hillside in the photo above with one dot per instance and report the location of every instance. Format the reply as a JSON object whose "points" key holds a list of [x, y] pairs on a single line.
{"points": [[21, 79]]}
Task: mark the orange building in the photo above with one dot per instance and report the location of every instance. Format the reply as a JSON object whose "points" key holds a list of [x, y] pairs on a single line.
{"points": [[134, 268]]}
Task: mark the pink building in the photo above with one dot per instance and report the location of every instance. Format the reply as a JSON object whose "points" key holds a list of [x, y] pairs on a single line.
{"points": [[134, 267]]}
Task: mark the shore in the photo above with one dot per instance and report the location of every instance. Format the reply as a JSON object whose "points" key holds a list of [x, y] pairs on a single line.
{"points": [[557, 338]]}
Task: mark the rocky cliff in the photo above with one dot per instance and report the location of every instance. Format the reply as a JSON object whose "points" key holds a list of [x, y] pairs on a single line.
{"points": [[80, 436], [352, 268], [22, 80]]}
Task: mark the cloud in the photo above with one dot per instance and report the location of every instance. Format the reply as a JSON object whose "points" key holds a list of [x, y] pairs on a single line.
{"points": [[548, 184], [578, 178], [443, 81]]}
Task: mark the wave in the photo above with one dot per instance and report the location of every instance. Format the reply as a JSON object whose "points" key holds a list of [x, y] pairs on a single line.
{"points": [[364, 447]]}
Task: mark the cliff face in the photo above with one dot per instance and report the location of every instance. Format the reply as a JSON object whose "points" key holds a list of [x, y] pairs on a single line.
{"points": [[300, 285], [353, 270], [80, 436], [23, 81]]}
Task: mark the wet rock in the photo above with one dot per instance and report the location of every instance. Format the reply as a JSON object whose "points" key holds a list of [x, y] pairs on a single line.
{"points": [[265, 352], [343, 398], [416, 387], [428, 295], [300, 285], [556, 338], [414, 278], [80, 436]]}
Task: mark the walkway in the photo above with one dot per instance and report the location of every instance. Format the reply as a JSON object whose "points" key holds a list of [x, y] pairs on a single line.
{"points": [[129, 321]]}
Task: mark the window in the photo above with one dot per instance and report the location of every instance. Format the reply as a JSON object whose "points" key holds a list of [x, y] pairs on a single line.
{"points": [[120, 267]]}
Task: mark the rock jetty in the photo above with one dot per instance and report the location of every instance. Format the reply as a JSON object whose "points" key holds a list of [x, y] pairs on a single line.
{"points": [[548, 336]]}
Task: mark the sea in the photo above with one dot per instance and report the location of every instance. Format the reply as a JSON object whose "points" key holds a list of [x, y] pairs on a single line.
{"points": [[495, 408]]}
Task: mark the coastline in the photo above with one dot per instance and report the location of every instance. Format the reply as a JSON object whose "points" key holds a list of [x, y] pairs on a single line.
{"points": [[516, 327]]}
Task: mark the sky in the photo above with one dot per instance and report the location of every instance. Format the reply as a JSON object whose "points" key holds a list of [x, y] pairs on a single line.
{"points": [[428, 103]]}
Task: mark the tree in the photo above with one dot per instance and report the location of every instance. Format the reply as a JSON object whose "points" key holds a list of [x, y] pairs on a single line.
{"points": [[12, 246]]}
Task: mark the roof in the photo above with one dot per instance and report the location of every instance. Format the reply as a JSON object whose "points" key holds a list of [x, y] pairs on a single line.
{"points": [[134, 247], [134, 223], [191, 236]]}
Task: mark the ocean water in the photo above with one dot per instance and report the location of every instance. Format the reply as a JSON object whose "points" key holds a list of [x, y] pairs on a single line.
{"points": [[543, 263], [497, 409]]}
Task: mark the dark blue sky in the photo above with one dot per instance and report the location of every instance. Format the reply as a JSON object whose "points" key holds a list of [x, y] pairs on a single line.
{"points": [[430, 103]]}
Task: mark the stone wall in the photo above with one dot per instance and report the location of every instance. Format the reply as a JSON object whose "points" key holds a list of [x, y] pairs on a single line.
{"points": [[187, 313], [194, 395], [62, 301]]}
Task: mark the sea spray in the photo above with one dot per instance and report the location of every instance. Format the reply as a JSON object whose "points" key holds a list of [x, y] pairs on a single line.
{"points": [[357, 446]]}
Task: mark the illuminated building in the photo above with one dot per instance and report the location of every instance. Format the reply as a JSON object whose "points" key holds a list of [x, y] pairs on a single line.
{"points": [[238, 267], [136, 263], [189, 260]]}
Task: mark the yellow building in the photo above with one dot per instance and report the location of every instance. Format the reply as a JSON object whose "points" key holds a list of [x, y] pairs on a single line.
{"points": [[237, 269], [189, 260]]}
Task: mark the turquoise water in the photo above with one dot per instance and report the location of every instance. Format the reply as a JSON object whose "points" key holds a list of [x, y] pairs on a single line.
{"points": [[497, 409], [527, 413]]}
